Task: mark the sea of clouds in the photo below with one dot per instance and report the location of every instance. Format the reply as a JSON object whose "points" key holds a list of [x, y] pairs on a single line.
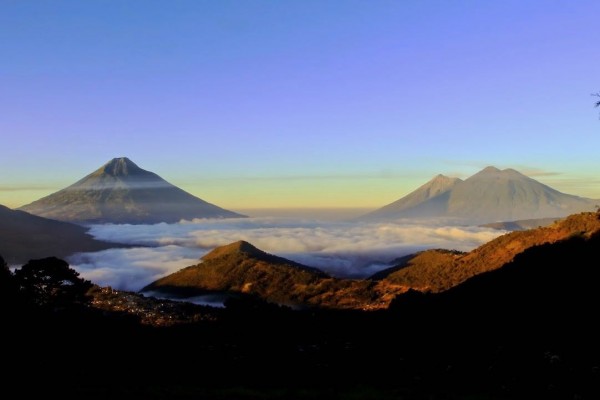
{"points": [[342, 249]]}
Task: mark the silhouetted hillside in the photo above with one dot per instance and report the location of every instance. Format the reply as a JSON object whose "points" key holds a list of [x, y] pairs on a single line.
{"points": [[543, 285], [24, 236], [525, 330]]}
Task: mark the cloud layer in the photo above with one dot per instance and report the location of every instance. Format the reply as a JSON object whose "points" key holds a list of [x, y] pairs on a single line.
{"points": [[132, 269], [345, 249]]}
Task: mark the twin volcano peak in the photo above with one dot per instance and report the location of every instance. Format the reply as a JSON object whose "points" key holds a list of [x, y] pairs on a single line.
{"points": [[492, 171], [442, 182], [121, 192], [490, 195]]}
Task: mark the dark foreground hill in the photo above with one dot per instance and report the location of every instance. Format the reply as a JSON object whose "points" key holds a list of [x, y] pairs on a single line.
{"points": [[121, 192], [527, 330], [24, 236]]}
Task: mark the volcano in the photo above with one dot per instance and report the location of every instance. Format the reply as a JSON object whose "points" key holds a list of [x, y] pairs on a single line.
{"points": [[120, 192], [491, 195]]}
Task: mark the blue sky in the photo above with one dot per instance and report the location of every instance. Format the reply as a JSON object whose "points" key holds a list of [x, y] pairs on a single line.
{"points": [[261, 104]]}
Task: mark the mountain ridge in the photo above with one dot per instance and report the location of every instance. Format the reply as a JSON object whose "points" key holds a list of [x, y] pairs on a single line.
{"points": [[241, 268], [24, 236], [490, 195], [436, 271]]}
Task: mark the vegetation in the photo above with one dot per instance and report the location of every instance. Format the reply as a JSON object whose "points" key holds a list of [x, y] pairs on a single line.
{"points": [[437, 271], [8, 287], [241, 268], [50, 281], [424, 260], [526, 330]]}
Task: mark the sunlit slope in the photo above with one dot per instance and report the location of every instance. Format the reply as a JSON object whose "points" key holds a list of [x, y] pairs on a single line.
{"points": [[436, 270], [242, 268]]}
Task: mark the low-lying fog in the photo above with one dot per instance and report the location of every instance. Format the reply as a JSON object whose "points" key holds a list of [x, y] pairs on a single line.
{"points": [[342, 249]]}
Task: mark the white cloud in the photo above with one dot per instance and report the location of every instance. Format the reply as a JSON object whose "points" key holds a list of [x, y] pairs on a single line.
{"points": [[134, 268], [348, 249]]}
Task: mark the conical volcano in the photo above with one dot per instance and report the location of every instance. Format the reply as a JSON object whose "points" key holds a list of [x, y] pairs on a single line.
{"points": [[121, 192]]}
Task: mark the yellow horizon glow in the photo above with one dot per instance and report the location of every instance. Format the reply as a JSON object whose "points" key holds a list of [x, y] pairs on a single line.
{"points": [[248, 194]]}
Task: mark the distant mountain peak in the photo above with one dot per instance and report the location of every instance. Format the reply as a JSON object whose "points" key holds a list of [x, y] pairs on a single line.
{"points": [[121, 166], [490, 168], [121, 160], [439, 185], [434, 188], [493, 172], [235, 248], [443, 178]]}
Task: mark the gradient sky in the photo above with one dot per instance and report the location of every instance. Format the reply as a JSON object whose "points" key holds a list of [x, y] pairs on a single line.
{"points": [[308, 103]]}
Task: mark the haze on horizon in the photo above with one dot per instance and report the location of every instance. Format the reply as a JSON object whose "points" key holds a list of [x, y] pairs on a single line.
{"points": [[298, 104]]}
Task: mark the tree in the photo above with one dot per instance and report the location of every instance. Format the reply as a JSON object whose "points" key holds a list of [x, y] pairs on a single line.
{"points": [[5, 273], [598, 102], [8, 288], [50, 281]]}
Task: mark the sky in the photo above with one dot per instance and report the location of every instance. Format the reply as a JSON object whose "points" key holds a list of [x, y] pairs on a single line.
{"points": [[292, 104]]}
